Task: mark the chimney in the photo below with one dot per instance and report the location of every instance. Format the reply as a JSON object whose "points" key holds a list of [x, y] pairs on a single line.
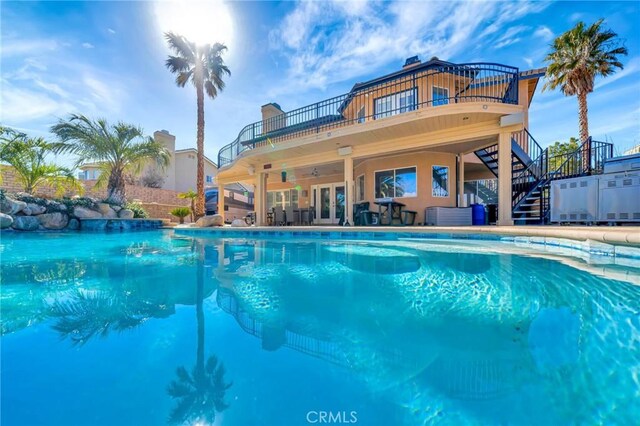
{"points": [[273, 118], [411, 62]]}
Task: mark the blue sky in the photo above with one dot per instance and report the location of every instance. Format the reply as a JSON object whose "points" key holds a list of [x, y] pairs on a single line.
{"points": [[106, 59]]}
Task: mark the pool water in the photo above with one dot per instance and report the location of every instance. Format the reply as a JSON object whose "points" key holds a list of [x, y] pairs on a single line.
{"points": [[156, 328]]}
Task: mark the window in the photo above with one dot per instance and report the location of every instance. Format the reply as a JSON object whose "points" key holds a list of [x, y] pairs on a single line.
{"points": [[396, 103], [396, 183], [440, 96], [209, 179], [360, 188], [360, 117], [440, 181], [283, 198]]}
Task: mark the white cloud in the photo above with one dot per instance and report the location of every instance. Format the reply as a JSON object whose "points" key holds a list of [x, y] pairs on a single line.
{"points": [[23, 105], [111, 30], [87, 45], [332, 42], [510, 36], [544, 33], [18, 47], [528, 61]]}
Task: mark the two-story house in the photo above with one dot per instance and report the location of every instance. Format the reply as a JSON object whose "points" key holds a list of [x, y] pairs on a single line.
{"points": [[415, 135]]}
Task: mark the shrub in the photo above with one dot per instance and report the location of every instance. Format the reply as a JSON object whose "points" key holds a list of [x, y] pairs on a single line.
{"points": [[138, 211], [181, 213]]}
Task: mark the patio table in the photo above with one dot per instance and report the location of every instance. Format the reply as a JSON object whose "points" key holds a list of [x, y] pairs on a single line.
{"points": [[391, 208]]}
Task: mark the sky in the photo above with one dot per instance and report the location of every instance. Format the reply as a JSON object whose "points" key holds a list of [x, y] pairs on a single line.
{"points": [[106, 59]]}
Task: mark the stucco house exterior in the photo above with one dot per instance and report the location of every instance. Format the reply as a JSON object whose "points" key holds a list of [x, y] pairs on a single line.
{"points": [[179, 175], [424, 135]]}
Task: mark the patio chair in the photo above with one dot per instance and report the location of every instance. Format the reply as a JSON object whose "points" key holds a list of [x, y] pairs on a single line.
{"points": [[408, 217], [358, 211], [306, 217], [278, 216], [370, 218], [289, 216]]}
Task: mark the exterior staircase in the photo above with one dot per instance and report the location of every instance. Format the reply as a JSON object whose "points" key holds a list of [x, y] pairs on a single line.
{"points": [[533, 170]]}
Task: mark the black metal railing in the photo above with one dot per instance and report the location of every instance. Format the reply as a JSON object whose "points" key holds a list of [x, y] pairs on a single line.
{"points": [[588, 159], [431, 87]]}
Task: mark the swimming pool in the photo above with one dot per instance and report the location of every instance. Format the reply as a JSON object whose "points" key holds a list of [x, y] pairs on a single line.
{"points": [[159, 327]]}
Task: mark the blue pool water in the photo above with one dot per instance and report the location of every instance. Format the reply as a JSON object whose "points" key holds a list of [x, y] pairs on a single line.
{"points": [[156, 328]]}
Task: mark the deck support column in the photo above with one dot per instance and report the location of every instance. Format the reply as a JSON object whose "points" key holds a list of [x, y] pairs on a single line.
{"points": [[349, 189], [504, 179], [461, 200], [221, 199], [260, 199]]}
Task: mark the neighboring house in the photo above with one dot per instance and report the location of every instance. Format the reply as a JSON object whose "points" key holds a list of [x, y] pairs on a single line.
{"points": [[179, 175], [634, 150], [415, 135]]}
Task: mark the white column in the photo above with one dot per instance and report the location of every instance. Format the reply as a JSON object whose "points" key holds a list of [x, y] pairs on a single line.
{"points": [[221, 199], [504, 179], [461, 200], [349, 188]]}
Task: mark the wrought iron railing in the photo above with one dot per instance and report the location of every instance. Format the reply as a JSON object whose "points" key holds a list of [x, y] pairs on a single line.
{"points": [[431, 87]]}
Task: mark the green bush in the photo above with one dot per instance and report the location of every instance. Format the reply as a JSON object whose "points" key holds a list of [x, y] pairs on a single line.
{"points": [[138, 211], [181, 213]]}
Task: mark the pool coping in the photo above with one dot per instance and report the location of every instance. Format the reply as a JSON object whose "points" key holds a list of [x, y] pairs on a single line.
{"points": [[618, 242]]}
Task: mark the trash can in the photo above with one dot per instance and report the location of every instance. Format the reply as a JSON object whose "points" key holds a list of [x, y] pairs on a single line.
{"points": [[477, 214]]}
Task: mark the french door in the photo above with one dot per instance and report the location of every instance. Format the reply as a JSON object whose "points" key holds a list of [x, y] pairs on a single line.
{"points": [[329, 202]]}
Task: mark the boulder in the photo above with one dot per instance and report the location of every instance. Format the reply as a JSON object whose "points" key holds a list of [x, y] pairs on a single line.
{"points": [[73, 224], [5, 220], [34, 209], [207, 221], [10, 206], [107, 211], [239, 223], [85, 213], [126, 214], [25, 223], [54, 220], [116, 207], [54, 206]]}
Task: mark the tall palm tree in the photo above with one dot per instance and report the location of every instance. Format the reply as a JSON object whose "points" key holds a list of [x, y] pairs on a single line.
{"points": [[27, 156], [204, 67], [119, 149], [576, 58]]}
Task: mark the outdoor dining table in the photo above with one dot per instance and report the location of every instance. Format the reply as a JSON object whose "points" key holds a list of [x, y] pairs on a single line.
{"points": [[298, 215], [391, 208]]}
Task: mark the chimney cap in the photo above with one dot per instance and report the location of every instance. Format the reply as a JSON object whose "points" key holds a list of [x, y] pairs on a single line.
{"points": [[411, 61], [166, 132], [272, 104]]}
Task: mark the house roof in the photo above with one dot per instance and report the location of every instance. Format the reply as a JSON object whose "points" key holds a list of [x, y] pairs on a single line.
{"points": [[533, 76], [433, 62], [195, 151]]}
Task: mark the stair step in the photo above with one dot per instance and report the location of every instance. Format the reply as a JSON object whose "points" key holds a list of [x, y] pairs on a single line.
{"points": [[527, 218]]}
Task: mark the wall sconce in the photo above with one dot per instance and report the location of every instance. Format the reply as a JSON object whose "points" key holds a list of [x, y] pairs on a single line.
{"points": [[284, 176]]}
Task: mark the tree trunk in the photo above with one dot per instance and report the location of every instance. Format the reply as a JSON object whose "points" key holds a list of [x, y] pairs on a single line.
{"points": [[115, 187], [584, 130], [199, 210]]}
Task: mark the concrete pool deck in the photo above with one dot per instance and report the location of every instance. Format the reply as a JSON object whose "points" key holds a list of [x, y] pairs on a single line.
{"points": [[622, 235]]}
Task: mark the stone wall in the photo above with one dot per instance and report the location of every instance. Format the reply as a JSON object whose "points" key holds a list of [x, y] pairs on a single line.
{"points": [[158, 202]]}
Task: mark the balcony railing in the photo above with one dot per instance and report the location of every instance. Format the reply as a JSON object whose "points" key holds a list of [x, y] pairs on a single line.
{"points": [[431, 87]]}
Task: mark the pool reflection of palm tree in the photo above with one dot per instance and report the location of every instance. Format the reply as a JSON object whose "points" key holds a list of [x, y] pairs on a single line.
{"points": [[200, 395]]}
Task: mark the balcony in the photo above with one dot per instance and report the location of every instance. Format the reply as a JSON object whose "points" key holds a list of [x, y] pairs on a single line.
{"points": [[399, 93]]}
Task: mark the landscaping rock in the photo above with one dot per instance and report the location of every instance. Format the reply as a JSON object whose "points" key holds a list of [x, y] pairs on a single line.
{"points": [[239, 223], [207, 221], [116, 207], [34, 209], [10, 206], [54, 220], [25, 223], [54, 206], [85, 213], [5, 221], [125, 214], [73, 224], [107, 211]]}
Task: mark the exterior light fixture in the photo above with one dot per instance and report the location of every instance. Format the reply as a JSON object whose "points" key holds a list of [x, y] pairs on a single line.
{"points": [[284, 176]]}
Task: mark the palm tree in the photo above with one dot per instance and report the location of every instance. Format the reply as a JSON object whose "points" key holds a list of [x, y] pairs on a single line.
{"points": [[204, 67], [27, 156], [200, 394], [190, 195], [119, 149], [576, 58]]}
